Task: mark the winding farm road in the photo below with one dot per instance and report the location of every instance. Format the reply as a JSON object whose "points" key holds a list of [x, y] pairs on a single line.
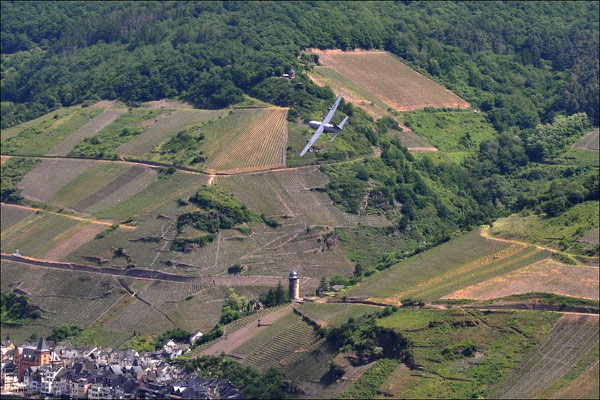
{"points": [[83, 219]]}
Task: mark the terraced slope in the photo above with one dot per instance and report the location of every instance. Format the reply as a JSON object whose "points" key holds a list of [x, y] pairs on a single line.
{"points": [[412, 277], [383, 76], [168, 124], [39, 139], [38, 233], [49, 176], [290, 193], [280, 344], [569, 340], [89, 129], [246, 140], [546, 275]]}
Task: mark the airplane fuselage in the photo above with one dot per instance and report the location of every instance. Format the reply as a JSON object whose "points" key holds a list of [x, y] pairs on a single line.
{"points": [[327, 127]]}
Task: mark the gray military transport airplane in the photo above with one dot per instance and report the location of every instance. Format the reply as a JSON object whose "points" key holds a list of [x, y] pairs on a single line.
{"points": [[324, 125]]}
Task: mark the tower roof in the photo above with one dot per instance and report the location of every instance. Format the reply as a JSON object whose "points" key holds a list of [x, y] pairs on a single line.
{"points": [[42, 344], [294, 274]]}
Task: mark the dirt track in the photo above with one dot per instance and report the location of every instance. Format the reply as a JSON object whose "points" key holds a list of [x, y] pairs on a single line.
{"points": [[91, 220], [142, 273], [231, 342]]}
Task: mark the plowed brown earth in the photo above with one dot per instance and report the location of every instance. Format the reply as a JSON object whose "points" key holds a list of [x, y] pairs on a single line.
{"points": [[391, 81], [543, 276]]}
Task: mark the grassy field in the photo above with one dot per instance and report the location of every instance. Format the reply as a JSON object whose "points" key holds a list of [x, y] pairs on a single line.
{"points": [[169, 123], [570, 339], [89, 129], [6, 134], [335, 314], [367, 386], [410, 139], [366, 245], [38, 140], [579, 158], [451, 131], [547, 276], [383, 76], [125, 127], [10, 216], [498, 342], [246, 139], [563, 232]]}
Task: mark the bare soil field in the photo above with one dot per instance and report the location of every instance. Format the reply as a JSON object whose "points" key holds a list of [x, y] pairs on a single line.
{"points": [[109, 104], [385, 77], [4, 159], [568, 342], [589, 141], [48, 177], [171, 104], [10, 216], [254, 138], [547, 276], [171, 123], [72, 241], [89, 129]]}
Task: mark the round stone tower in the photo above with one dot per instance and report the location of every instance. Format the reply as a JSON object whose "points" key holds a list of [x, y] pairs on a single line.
{"points": [[294, 288]]}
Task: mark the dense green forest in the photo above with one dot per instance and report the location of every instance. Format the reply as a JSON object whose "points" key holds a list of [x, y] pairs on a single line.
{"points": [[522, 62]]}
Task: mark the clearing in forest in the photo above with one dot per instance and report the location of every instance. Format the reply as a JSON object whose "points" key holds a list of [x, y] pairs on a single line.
{"points": [[589, 141], [246, 140], [570, 339], [384, 77], [546, 276]]}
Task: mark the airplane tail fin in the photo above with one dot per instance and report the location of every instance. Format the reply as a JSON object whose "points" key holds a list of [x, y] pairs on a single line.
{"points": [[339, 128]]}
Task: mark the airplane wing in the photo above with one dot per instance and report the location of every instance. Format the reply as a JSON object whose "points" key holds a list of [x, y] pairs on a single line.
{"points": [[313, 139], [332, 110], [322, 126]]}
